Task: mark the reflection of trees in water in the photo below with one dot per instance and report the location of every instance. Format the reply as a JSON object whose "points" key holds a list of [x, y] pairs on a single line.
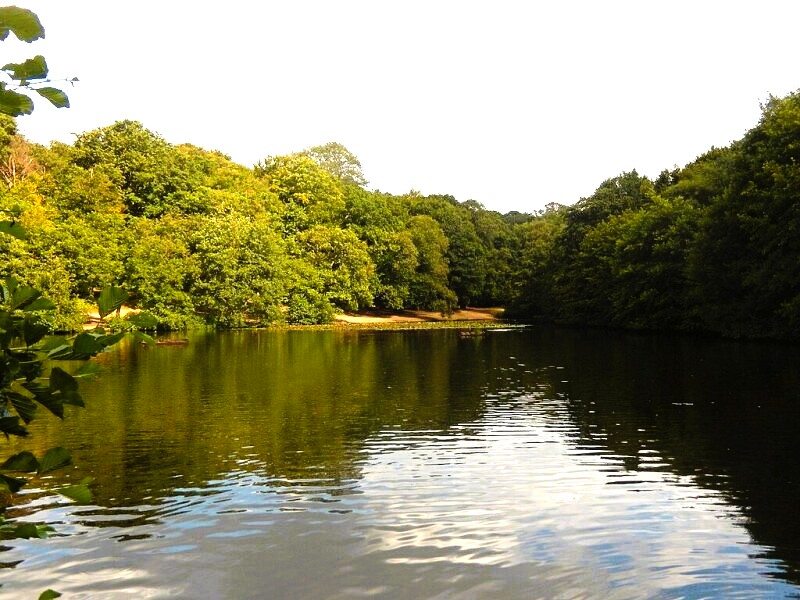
{"points": [[290, 405], [298, 405], [723, 413]]}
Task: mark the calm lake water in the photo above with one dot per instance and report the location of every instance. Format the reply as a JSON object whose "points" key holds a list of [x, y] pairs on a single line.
{"points": [[537, 463]]}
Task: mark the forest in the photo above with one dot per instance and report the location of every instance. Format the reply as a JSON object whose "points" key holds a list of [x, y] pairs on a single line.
{"points": [[198, 240]]}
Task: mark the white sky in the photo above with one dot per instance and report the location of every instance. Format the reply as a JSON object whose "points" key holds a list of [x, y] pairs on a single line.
{"points": [[513, 104]]}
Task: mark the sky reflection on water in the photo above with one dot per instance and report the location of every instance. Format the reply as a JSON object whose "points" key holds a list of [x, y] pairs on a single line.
{"points": [[505, 495]]}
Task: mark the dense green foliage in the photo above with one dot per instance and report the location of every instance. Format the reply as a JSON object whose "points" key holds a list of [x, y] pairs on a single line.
{"points": [[710, 247], [198, 239]]}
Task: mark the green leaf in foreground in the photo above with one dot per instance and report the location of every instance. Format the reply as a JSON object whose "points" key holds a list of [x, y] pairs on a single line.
{"points": [[49, 594], [33, 330], [12, 483], [61, 381], [23, 295], [55, 96], [143, 338], [13, 228], [33, 68], [54, 459], [24, 462], [52, 401], [10, 285], [11, 426], [26, 530], [40, 304], [111, 299], [86, 345], [54, 342], [7, 328], [58, 352], [22, 22], [110, 339], [79, 492], [88, 369], [13, 103], [25, 406]]}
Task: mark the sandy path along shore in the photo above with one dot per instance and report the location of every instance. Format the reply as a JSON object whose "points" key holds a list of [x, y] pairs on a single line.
{"points": [[416, 316]]}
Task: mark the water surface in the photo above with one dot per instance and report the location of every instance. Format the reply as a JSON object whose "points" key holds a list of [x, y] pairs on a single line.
{"points": [[540, 463]]}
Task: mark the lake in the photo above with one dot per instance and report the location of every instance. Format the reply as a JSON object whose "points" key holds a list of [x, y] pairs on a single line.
{"points": [[525, 463]]}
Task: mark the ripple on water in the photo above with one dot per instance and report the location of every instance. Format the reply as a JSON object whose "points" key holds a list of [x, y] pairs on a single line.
{"points": [[519, 503]]}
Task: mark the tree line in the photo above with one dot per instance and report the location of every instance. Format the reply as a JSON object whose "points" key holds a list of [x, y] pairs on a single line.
{"points": [[714, 246], [198, 239]]}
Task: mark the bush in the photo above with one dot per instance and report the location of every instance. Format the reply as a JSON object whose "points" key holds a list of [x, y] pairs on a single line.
{"points": [[309, 307]]}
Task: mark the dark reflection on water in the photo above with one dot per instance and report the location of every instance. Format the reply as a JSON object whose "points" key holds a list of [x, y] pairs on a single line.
{"points": [[520, 464]]}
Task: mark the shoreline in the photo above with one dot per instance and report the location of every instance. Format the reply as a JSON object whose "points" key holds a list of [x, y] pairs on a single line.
{"points": [[470, 317], [469, 314]]}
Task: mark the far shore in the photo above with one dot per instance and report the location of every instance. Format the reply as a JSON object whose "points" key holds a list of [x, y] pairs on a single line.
{"points": [[419, 316], [375, 316]]}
